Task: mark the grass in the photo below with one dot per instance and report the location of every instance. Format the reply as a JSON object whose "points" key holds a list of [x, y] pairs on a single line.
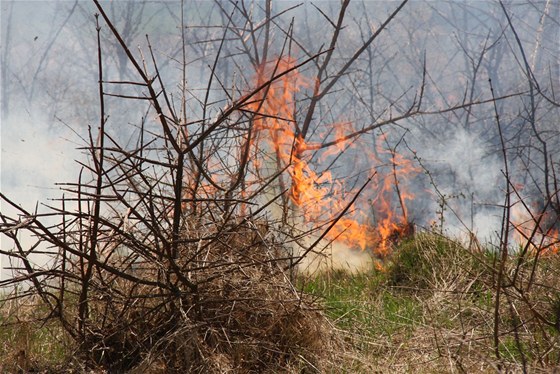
{"points": [[363, 300], [430, 309], [26, 343]]}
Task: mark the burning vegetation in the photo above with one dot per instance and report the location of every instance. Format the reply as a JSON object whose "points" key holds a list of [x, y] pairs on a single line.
{"points": [[535, 226], [370, 221], [193, 245]]}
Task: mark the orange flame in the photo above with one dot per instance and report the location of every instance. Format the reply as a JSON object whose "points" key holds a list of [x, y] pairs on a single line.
{"points": [[319, 197], [392, 222], [535, 229]]}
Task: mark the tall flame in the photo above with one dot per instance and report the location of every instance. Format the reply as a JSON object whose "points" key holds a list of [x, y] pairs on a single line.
{"points": [[536, 228], [319, 197]]}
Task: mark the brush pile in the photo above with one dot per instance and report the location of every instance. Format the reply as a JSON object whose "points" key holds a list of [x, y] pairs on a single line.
{"points": [[231, 308], [243, 316]]}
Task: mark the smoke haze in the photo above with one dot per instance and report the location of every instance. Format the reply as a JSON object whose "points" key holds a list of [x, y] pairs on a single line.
{"points": [[49, 92]]}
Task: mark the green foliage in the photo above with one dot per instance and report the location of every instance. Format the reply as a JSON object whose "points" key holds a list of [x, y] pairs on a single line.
{"points": [[364, 302], [417, 262], [436, 291]]}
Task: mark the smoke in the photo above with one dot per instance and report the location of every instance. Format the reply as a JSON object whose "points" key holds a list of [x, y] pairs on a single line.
{"points": [[31, 162], [49, 77], [466, 174], [328, 255]]}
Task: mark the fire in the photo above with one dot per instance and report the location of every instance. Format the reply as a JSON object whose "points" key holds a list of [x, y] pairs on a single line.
{"points": [[319, 196], [393, 223], [536, 227]]}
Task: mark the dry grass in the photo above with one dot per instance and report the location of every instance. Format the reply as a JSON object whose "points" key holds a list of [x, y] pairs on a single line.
{"points": [[432, 311], [245, 316], [248, 318], [27, 343]]}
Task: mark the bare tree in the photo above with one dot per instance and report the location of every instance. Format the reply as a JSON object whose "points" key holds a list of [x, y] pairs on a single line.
{"points": [[169, 249]]}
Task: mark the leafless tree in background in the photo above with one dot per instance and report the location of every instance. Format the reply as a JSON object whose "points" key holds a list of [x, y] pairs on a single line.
{"points": [[164, 229]]}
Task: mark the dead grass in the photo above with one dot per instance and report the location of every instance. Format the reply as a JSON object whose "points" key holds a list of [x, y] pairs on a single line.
{"points": [[246, 316], [431, 311]]}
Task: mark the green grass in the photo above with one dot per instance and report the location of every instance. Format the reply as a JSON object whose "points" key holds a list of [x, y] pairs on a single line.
{"points": [[431, 309], [363, 301], [44, 345]]}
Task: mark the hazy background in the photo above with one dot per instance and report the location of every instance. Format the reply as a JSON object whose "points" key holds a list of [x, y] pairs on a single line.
{"points": [[49, 89]]}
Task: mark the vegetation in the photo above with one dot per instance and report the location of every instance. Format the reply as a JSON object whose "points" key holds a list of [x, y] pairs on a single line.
{"points": [[430, 309], [189, 243]]}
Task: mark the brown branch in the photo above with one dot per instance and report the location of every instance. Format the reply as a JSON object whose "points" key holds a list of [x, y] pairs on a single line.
{"points": [[332, 224]]}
